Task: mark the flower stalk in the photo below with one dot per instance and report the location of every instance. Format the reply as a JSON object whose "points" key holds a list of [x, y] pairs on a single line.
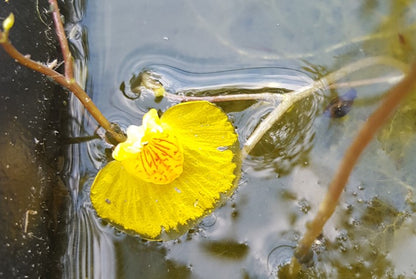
{"points": [[66, 81], [289, 99], [60, 32], [376, 120]]}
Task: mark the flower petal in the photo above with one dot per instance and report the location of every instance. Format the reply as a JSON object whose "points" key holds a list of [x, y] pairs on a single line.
{"points": [[131, 146], [201, 123], [158, 211]]}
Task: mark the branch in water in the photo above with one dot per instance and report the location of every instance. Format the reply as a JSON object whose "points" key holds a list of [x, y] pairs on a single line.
{"points": [[330, 80], [365, 135], [276, 97], [70, 84], [226, 98], [60, 32]]}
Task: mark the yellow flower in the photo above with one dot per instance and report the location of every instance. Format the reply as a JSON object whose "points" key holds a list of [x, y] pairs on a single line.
{"points": [[151, 151], [170, 172]]}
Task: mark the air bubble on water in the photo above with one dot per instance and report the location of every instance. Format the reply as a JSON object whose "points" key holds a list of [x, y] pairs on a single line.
{"points": [[280, 256], [342, 248], [209, 221], [304, 206]]}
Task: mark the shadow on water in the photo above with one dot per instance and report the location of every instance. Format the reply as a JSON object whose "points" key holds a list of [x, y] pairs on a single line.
{"points": [[33, 120]]}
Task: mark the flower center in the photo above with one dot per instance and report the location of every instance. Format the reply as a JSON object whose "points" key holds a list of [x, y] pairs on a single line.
{"points": [[151, 152], [161, 159]]}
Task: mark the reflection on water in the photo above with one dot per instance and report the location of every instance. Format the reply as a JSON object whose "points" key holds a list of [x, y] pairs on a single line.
{"points": [[287, 144], [255, 231], [245, 115], [179, 81], [91, 250]]}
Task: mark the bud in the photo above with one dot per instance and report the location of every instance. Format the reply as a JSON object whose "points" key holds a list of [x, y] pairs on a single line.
{"points": [[8, 23]]}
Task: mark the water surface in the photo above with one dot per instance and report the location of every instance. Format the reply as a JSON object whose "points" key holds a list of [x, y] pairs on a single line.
{"points": [[214, 47]]}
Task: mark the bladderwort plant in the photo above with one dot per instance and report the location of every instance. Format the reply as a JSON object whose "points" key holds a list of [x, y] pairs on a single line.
{"points": [[377, 119]]}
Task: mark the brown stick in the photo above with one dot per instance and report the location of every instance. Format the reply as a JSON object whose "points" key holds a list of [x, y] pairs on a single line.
{"points": [[60, 32], [367, 132], [70, 84]]}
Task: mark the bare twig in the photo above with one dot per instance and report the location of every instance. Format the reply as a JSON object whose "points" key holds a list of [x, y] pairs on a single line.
{"points": [[70, 84], [367, 132], [26, 219], [60, 32]]}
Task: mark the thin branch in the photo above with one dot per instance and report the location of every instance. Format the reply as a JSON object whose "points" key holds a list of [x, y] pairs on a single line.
{"points": [[277, 97], [60, 32], [271, 56], [365, 135], [70, 84], [365, 82], [226, 98]]}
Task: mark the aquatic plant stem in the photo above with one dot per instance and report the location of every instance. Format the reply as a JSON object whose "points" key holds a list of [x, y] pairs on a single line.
{"points": [[284, 56], [276, 97], [364, 136], [60, 32], [290, 99], [227, 98], [70, 84]]}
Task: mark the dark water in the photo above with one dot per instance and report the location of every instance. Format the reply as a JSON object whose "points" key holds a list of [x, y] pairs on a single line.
{"points": [[33, 197], [217, 47]]}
